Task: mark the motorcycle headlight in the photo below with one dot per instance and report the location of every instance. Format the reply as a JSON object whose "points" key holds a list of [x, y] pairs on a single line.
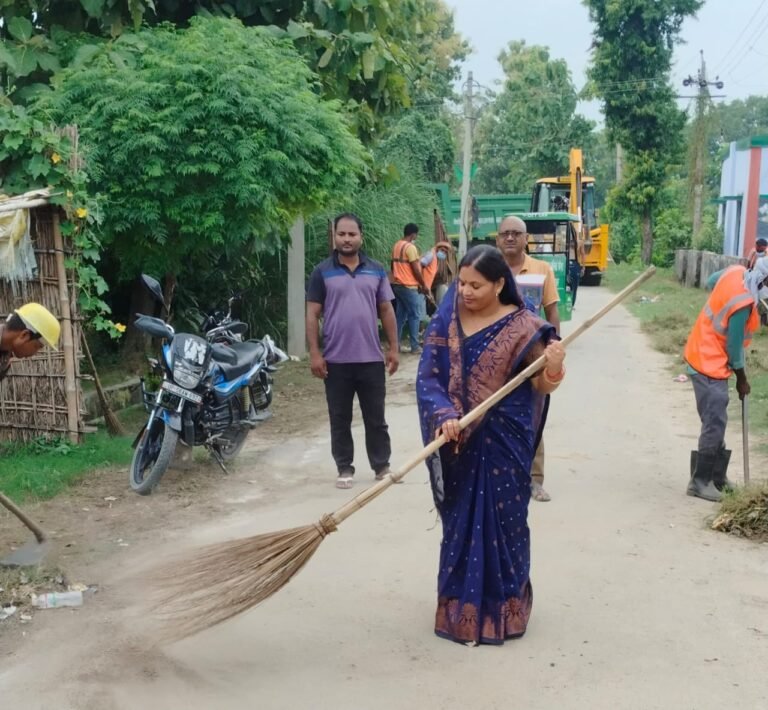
{"points": [[191, 355], [186, 375]]}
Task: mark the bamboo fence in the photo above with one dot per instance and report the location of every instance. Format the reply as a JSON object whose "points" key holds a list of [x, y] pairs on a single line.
{"points": [[41, 395]]}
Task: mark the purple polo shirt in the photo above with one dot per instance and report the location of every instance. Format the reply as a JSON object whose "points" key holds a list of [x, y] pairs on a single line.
{"points": [[350, 301]]}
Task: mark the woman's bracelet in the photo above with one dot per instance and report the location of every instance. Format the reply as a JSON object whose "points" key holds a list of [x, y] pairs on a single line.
{"points": [[554, 379]]}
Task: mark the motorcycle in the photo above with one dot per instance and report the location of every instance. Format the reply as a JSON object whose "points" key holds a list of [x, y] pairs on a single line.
{"points": [[212, 394]]}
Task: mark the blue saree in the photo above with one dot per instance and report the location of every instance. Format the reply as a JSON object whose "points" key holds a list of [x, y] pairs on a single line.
{"points": [[481, 486]]}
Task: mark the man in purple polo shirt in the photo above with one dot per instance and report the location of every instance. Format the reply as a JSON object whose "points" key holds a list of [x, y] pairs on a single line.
{"points": [[350, 292]]}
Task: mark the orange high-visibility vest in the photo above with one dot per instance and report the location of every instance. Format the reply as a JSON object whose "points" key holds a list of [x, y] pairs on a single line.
{"points": [[706, 350], [402, 273], [430, 271]]}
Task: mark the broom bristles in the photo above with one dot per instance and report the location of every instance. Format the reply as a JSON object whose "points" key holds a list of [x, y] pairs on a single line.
{"points": [[223, 580]]}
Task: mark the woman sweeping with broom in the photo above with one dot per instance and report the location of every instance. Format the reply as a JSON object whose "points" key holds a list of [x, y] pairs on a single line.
{"points": [[481, 337], [481, 482]]}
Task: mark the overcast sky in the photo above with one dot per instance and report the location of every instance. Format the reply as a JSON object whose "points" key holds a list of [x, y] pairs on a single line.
{"points": [[732, 33]]}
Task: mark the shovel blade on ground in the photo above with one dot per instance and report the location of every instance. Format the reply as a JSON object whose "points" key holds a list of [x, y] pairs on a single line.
{"points": [[29, 555]]}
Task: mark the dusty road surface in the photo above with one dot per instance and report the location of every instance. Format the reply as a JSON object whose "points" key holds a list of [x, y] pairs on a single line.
{"points": [[637, 604]]}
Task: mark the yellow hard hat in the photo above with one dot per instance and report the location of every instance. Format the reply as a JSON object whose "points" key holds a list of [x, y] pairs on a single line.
{"points": [[40, 320]]}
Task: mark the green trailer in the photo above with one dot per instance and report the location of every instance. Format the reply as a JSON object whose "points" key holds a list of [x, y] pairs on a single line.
{"points": [[487, 211], [551, 234]]}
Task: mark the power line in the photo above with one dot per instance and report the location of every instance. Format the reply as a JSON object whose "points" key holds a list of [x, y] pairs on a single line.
{"points": [[743, 30], [756, 34]]}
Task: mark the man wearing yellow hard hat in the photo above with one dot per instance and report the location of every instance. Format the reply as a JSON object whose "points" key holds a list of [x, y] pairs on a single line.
{"points": [[25, 331]]}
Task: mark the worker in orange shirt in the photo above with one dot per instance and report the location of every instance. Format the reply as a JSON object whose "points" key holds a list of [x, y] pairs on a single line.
{"points": [[511, 240], [408, 285], [715, 350]]}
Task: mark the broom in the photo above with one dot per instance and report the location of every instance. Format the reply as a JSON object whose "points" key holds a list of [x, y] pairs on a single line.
{"points": [[114, 427], [225, 579]]}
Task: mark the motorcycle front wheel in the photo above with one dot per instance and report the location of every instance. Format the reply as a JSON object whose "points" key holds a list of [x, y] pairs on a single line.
{"points": [[152, 456]]}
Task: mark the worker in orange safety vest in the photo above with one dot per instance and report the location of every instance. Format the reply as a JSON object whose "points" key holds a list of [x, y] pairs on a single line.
{"points": [[715, 350]]}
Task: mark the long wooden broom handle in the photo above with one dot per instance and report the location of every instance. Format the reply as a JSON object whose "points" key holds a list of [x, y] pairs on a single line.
{"points": [[10, 505], [378, 488]]}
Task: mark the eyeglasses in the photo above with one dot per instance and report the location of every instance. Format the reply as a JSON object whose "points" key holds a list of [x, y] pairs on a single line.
{"points": [[511, 234]]}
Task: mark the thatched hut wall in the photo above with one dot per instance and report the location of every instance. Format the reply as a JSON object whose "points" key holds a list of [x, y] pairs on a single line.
{"points": [[33, 397]]}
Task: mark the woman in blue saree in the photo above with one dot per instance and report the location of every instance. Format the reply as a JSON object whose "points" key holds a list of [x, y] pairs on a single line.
{"points": [[480, 337]]}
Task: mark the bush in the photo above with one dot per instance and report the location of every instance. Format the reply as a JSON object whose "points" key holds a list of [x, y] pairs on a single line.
{"points": [[711, 236], [672, 230], [385, 207], [625, 239]]}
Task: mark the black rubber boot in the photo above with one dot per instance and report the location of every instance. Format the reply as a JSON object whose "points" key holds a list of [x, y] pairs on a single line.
{"points": [[719, 477], [701, 484]]}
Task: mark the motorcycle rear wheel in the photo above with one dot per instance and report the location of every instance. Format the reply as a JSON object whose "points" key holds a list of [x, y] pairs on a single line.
{"points": [[232, 449], [152, 457]]}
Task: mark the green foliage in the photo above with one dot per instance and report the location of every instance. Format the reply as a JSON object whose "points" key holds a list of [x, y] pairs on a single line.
{"points": [[633, 46], [384, 207], [600, 163], [711, 237], [672, 226], [215, 138], [33, 155], [625, 236], [425, 142], [738, 119], [376, 56], [531, 124]]}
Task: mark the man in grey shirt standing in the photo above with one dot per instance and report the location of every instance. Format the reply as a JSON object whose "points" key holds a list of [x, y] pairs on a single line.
{"points": [[351, 292]]}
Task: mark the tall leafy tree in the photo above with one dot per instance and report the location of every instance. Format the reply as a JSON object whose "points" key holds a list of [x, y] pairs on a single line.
{"points": [[377, 56], [214, 138], [531, 124], [422, 142], [633, 46]]}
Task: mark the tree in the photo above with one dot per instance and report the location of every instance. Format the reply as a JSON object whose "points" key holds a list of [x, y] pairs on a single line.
{"points": [[530, 126], [632, 52], [422, 142], [213, 139], [376, 56]]}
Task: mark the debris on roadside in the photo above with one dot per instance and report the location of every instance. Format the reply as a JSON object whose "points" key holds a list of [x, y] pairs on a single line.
{"points": [[54, 600], [744, 513]]}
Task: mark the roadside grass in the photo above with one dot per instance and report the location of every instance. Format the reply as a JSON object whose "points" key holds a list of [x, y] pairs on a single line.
{"points": [[667, 311], [42, 468]]}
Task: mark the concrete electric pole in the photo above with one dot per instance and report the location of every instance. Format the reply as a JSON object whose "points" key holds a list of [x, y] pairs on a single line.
{"points": [[699, 147], [466, 177]]}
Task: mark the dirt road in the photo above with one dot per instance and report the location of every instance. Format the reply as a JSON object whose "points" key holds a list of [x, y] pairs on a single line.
{"points": [[637, 604]]}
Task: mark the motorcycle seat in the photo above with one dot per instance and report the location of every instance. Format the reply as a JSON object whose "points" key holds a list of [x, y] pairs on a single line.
{"points": [[248, 354]]}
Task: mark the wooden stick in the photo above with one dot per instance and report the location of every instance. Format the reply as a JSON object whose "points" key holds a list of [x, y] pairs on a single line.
{"points": [[378, 488], [13, 508], [68, 344], [114, 427]]}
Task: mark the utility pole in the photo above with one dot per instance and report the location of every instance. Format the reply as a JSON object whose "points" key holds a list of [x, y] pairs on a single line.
{"points": [[699, 148], [619, 163], [466, 177], [297, 342]]}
